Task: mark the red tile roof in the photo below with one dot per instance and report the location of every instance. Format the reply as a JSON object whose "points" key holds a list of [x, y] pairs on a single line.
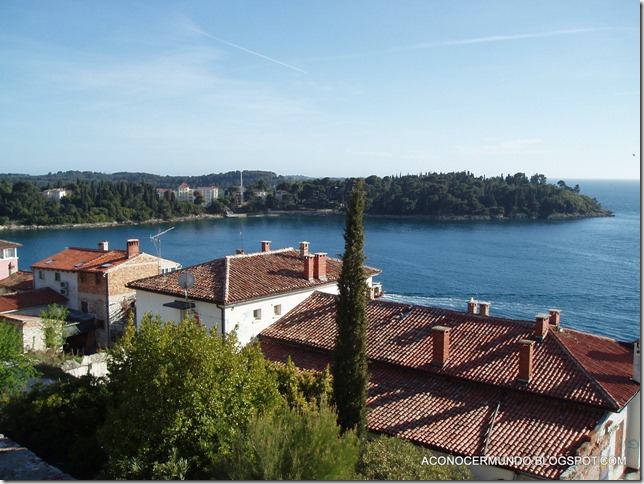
{"points": [[18, 281], [456, 416], [243, 277], [577, 378], [482, 349], [85, 260], [22, 300]]}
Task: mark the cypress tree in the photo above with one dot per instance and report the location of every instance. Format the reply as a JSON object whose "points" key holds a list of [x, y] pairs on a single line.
{"points": [[350, 357]]}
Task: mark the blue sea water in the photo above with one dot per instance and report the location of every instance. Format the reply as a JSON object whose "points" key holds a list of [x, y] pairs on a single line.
{"points": [[588, 268]]}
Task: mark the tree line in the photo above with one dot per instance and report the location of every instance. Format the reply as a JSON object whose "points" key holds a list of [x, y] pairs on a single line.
{"points": [[450, 195], [441, 195]]}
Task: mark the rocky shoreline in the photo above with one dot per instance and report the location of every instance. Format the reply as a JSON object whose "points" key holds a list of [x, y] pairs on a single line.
{"points": [[313, 213]]}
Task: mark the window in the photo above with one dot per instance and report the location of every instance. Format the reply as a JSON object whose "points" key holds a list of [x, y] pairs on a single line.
{"points": [[257, 314], [277, 310], [10, 253], [41, 275], [57, 276], [83, 277], [97, 278], [84, 307]]}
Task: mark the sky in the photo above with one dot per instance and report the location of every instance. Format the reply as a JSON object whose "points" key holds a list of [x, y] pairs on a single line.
{"points": [[321, 88]]}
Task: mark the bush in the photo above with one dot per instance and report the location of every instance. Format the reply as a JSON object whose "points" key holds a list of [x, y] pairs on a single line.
{"points": [[295, 444], [181, 395], [15, 367], [59, 424], [302, 388], [392, 458]]}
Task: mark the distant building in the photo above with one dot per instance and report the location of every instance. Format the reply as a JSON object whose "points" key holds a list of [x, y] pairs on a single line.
{"points": [[55, 194], [95, 282], [248, 292], [471, 385], [186, 194]]}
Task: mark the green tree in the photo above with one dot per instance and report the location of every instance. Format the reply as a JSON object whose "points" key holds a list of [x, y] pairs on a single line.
{"points": [[181, 395], [294, 444], [15, 366], [59, 423], [392, 458], [53, 326], [349, 370]]}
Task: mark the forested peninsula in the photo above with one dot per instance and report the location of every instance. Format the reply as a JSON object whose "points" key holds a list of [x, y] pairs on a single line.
{"points": [[134, 197]]}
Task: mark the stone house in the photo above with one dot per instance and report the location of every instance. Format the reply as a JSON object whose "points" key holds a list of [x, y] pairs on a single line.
{"points": [[515, 399], [95, 282], [248, 292], [22, 309]]}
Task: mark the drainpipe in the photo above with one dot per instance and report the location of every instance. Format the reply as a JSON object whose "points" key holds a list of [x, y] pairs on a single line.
{"points": [[223, 320]]}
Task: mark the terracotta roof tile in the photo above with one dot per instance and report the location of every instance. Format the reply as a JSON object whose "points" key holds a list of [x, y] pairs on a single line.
{"points": [[22, 300], [85, 260], [456, 416], [243, 277], [18, 281], [567, 364]]}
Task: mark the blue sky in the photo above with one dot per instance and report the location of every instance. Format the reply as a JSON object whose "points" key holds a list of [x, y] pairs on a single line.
{"points": [[321, 88]]}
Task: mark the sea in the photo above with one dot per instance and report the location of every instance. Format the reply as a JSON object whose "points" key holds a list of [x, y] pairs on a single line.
{"points": [[587, 268]]}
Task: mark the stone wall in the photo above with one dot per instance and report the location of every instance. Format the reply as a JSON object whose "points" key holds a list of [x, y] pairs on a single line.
{"points": [[95, 365], [19, 463]]}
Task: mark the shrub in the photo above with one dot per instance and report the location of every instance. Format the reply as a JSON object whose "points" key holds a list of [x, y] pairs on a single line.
{"points": [[392, 458], [295, 444]]}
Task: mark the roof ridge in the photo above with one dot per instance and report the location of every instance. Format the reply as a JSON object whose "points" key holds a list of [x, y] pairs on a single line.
{"points": [[592, 379], [256, 254], [227, 278]]}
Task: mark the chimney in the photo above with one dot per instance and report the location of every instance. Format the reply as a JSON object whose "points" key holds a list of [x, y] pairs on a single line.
{"points": [[239, 251], [266, 245], [104, 246], [319, 266], [541, 326], [304, 249], [440, 343], [485, 308], [308, 267], [133, 248], [637, 363], [526, 355], [555, 317], [472, 306]]}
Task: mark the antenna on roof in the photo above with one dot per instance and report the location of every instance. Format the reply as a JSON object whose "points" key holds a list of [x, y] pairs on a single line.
{"points": [[156, 240]]}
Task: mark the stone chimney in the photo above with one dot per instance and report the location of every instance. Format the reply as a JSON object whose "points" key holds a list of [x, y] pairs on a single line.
{"points": [[104, 246], [319, 266], [239, 251], [541, 326], [133, 248], [555, 317], [526, 355], [637, 363], [485, 308], [304, 249], [266, 245], [440, 343], [308, 267], [472, 306]]}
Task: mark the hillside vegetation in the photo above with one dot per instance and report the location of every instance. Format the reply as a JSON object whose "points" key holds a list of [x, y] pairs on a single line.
{"points": [[132, 197]]}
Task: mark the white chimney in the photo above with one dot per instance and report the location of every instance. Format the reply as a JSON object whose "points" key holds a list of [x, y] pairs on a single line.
{"points": [[104, 245], [637, 362]]}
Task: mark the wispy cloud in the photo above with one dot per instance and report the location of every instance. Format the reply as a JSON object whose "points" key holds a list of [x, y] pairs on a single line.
{"points": [[194, 28], [497, 38]]}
